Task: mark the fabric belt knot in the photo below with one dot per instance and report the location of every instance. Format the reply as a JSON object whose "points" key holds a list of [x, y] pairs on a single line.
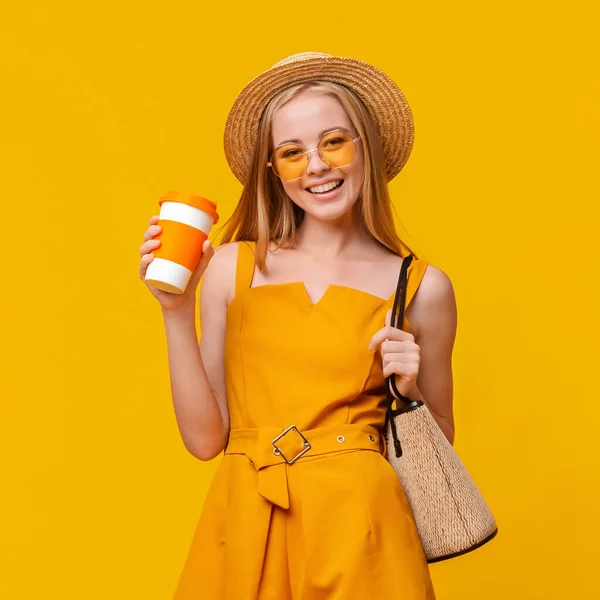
{"points": [[272, 451]]}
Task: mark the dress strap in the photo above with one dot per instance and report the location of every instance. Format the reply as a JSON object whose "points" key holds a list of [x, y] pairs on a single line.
{"points": [[415, 273], [245, 266]]}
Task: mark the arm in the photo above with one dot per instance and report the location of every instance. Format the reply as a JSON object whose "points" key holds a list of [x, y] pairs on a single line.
{"points": [[432, 314], [197, 369]]}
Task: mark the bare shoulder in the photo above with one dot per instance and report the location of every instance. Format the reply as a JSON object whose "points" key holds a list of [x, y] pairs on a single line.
{"points": [[434, 305], [218, 281], [435, 286]]}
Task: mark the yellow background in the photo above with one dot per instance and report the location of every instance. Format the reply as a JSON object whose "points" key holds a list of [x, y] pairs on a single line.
{"points": [[106, 105]]}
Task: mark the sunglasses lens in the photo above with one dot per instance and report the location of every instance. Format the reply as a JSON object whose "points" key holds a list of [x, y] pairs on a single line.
{"points": [[289, 161], [337, 149]]}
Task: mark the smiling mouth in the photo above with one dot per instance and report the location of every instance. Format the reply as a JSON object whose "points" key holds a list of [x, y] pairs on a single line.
{"points": [[328, 187]]}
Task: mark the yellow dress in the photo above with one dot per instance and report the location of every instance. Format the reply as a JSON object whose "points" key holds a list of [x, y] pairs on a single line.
{"points": [[332, 523]]}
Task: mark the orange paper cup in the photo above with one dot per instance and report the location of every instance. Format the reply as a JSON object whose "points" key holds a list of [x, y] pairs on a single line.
{"points": [[186, 221]]}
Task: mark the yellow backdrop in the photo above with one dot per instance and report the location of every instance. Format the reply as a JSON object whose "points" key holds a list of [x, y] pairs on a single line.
{"points": [[107, 105]]}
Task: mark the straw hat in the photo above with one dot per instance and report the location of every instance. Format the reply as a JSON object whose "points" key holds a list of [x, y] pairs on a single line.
{"points": [[381, 95]]}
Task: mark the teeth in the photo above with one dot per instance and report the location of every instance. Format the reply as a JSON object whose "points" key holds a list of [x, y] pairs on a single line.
{"points": [[325, 188]]}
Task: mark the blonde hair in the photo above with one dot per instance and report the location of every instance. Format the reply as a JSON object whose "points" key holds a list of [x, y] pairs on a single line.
{"points": [[265, 213]]}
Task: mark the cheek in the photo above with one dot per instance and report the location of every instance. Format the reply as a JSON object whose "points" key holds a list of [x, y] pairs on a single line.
{"points": [[293, 189], [356, 174]]}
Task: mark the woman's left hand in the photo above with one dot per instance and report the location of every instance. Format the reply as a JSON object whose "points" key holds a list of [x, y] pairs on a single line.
{"points": [[400, 355]]}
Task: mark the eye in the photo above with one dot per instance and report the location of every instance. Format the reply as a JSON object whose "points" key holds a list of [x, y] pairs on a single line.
{"points": [[334, 142], [292, 153]]}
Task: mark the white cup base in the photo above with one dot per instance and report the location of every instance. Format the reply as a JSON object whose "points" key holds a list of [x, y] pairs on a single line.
{"points": [[167, 276]]}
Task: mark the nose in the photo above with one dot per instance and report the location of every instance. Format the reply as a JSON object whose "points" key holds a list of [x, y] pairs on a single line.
{"points": [[315, 163]]}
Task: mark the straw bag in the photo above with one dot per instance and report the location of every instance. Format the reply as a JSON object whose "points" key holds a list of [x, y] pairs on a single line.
{"points": [[451, 515]]}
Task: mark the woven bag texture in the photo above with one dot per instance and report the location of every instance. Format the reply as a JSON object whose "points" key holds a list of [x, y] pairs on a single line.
{"points": [[450, 513]]}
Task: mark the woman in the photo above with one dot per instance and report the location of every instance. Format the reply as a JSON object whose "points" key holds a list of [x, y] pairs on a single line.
{"points": [[289, 376]]}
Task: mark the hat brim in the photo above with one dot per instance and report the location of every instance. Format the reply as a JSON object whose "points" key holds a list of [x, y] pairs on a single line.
{"points": [[382, 97]]}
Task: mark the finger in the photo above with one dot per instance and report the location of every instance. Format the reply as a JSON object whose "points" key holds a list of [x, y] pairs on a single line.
{"points": [[153, 219], [207, 253], [146, 260], [389, 333], [405, 371], [152, 232], [400, 357], [388, 346], [148, 246]]}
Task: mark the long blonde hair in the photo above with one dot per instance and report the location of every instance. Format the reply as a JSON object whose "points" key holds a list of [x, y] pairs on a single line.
{"points": [[265, 213]]}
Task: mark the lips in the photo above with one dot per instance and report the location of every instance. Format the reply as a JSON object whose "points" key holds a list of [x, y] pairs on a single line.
{"points": [[326, 186], [330, 195]]}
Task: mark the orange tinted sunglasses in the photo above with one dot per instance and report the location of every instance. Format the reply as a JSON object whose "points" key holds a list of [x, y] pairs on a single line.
{"points": [[336, 148]]}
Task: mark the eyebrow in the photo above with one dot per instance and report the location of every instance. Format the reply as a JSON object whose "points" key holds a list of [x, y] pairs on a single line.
{"points": [[334, 128]]}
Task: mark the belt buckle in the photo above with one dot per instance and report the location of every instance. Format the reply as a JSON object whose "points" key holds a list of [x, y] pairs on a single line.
{"points": [[277, 451]]}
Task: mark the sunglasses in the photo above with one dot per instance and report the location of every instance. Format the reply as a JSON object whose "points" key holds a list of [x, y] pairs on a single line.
{"points": [[336, 148]]}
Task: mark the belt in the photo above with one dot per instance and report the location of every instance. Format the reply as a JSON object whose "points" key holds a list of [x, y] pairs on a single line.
{"points": [[272, 451]]}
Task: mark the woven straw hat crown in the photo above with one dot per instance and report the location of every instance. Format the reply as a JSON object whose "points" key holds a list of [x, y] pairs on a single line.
{"points": [[382, 97]]}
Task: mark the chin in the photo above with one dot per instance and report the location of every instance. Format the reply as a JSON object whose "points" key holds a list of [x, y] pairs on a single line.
{"points": [[326, 212]]}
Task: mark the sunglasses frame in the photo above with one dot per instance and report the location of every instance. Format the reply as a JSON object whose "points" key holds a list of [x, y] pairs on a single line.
{"points": [[307, 152]]}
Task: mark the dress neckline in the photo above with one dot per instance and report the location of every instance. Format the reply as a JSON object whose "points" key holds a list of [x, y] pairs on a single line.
{"points": [[328, 291], [245, 268]]}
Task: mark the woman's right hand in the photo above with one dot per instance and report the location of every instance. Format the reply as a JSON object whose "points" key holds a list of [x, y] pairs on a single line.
{"points": [[168, 300]]}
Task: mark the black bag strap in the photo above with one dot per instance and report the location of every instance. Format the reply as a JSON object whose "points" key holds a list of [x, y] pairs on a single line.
{"points": [[398, 307]]}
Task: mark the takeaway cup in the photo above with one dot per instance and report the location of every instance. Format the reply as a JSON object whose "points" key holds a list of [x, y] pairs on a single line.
{"points": [[186, 220]]}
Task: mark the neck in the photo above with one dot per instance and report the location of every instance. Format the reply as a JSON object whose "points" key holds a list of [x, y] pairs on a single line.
{"points": [[329, 238]]}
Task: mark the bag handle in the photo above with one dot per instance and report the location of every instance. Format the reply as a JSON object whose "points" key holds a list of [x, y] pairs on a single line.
{"points": [[407, 404], [399, 305]]}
